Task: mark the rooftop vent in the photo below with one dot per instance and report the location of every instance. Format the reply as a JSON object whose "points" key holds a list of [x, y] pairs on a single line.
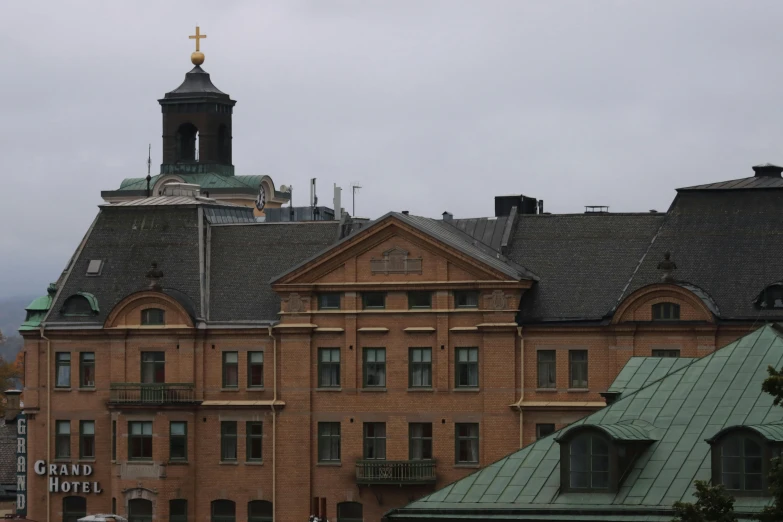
{"points": [[524, 204], [405, 212], [94, 267], [596, 209], [767, 170], [448, 216], [189, 190]]}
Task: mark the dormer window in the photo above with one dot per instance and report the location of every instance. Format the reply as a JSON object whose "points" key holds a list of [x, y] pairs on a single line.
{"points": [[596, 457], [666, 312], [80, 304], [153, 317], [771, 298], [741, 458]]}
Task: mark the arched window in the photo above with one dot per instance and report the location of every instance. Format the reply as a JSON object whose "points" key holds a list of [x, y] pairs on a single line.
{"points": [[349, 512], [74, 508], [224, 511], [81, 304], [589, 462], [741, 463], [187, 142], [178, 510], [224, 144], [665, 312], [139, 510], [259, 511], [771, 297], [153, 316]]}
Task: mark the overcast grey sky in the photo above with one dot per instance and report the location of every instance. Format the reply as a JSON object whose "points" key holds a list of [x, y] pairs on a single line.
{"points": [[430, 105]]}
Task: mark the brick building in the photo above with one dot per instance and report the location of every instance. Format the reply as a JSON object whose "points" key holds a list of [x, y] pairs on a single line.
{"points": [[258, 366]]}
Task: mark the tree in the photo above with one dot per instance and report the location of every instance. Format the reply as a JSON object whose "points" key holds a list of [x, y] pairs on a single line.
{"points": [[713, 504], [774, 513]]}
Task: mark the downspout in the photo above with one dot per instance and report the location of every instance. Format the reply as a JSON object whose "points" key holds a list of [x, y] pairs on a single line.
{"points": [[521, 383], [48, 415], [274, 423]]}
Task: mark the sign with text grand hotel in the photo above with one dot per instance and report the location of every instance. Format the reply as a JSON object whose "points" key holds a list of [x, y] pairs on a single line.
{"points": [[21, 464]]}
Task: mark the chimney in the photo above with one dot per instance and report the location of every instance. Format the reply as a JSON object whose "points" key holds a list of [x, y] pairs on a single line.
{"points": [[767, 170], [405, 212], [524, 204], [540, 206], [448, 216], [12, 404], [610, 397]]}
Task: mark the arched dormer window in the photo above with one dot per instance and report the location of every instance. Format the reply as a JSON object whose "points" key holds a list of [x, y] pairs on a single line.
{"points": [[666, 312], [771, 298], [153, 317], [80, 304], [741, 457], [596, 458], [187, 141]]}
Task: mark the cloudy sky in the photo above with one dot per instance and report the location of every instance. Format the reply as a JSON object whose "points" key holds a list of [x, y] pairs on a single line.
{"points": [[429, 105]]}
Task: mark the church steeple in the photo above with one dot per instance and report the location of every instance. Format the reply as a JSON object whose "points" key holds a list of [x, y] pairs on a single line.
{"points": [[197, 124]]}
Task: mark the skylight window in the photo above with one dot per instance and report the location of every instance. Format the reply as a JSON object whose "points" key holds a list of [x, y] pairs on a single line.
{"points": [[94, 267]]}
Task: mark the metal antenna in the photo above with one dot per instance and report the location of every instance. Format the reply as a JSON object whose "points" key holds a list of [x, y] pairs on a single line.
{"points": [[354, 188], [149, 167]]}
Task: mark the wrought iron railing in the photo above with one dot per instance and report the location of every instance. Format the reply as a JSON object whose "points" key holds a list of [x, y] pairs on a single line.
{"points": [[142, 393], [395, 472]]}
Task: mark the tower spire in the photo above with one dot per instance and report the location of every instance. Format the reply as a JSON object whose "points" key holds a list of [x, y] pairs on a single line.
{"points": [[197, 57]]}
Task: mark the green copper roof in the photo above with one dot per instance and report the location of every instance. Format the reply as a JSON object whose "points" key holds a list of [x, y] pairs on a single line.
{"points": [[680, 410], [638, 372], [206, 181], [36, 310], [90, 299], [620, 432], [771, 432]]}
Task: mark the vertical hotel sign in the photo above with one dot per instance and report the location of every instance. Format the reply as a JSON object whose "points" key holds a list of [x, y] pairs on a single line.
{"points": [[21, 464]]}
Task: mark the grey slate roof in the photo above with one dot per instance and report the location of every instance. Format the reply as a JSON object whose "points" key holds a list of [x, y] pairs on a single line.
{"points": [[8, 453], [245, 257], [680, 411], [725, 242], [583, 261], [487, 230], [128, 240]]}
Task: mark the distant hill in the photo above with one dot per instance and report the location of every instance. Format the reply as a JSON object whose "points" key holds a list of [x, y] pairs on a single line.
{"points": [[11, 316]]}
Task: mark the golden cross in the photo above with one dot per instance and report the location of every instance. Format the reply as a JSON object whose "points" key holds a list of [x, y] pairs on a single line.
{"points": [[198, 36]]}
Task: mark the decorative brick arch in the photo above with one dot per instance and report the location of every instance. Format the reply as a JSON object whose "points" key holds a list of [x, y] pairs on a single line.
{"points": [[140, 493], [176, 312], [655, 293]]}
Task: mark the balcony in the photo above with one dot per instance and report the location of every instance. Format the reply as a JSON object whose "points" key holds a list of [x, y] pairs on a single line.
{"points": [[395, 472], [138, 394]]}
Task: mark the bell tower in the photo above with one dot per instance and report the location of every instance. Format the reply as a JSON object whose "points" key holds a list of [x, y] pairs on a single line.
{"points": [[197, 124]]}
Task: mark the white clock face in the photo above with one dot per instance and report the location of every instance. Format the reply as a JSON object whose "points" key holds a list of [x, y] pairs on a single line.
{"points": [[261, 199]]}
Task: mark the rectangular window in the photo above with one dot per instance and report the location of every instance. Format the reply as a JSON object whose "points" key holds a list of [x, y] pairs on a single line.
{"points": [[255, 369], [420, 441], [666, 353], [328, 442], [87, 439], [419, 299], [467, 439], [153, 317], [178, 441], [578, 368], [87, 370], [228, 441], [547, 369], [328, 367], [466, 299], [178, 510], [63, 368], [114, 440], [374, 300], [420, 362], [374, 367], [544, 430], [62, 443], [665, 311], [467, 367], [375, 441], [329, 301], [255, 441], [230, 370], [140, 440], [153, 367]]}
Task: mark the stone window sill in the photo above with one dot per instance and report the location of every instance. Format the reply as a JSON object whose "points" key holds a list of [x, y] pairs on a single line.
{"points": [[87, 389], [229, 463], [330, 389], [330, 464], [469, 465], [466, 389], [61, 389], [254, 463], [229, 389], [255, 388], [578, 390], [379, 389], [546, 390], [178, 463], [421, 389]]}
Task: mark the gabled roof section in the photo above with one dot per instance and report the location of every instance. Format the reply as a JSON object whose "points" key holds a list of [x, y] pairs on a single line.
{"points": [[679, 410], [441, 232], [488, 230]]}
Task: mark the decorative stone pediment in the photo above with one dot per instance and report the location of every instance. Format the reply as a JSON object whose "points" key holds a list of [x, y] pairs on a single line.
{"points": [[396, 261]]}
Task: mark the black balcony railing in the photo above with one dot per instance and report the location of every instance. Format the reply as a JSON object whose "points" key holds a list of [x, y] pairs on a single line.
{"points": [[399, 472], [142, 393]]}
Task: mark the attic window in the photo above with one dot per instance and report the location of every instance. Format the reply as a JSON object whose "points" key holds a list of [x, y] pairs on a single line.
{"points": [[741, 460], [153, 317], [81, 304], [771, 298], [94, 267], [666, 312], [589, 462]]}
